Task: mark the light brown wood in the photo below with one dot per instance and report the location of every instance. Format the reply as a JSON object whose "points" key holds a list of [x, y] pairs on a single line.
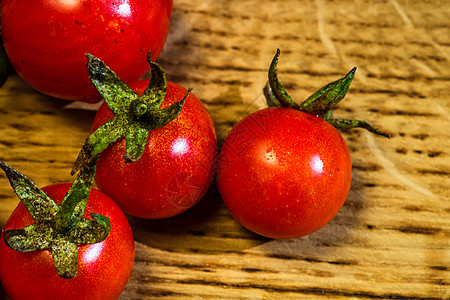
{"points": [[390, 239]]}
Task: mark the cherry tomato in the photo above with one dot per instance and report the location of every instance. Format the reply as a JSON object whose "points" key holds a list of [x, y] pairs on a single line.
{"points": [[176, 168], [104, 268], [284, 173], [46, 40]]}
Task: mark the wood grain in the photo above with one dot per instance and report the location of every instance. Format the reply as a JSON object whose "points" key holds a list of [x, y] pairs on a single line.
{"points": [[391, 238]]}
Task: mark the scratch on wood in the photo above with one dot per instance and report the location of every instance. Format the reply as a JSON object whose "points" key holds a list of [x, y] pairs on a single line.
{"points": [[402, 14], [391, 168], [326, 40]]}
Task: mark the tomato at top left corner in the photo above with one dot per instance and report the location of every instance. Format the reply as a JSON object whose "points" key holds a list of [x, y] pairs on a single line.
{"points": [[46, 40]]}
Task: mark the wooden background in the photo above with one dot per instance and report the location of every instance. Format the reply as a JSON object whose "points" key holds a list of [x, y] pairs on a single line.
{"points": [[391, 238]]}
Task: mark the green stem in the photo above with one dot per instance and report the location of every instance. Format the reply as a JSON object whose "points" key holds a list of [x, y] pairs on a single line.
{"points": [[72, 207], [320, 103], [348, 124], [270, 97], [41, 207], [134, 117], [58, 228], [278, 91]]}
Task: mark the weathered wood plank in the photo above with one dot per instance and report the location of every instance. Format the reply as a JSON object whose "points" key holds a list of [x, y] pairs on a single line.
{"points": [[392, 237]]}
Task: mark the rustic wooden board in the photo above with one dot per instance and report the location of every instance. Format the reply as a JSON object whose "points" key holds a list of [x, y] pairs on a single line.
{"points": [[391, 238]]}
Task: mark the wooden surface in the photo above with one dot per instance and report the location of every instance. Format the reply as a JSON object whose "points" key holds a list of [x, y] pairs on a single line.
{"points": [[391, 238]]}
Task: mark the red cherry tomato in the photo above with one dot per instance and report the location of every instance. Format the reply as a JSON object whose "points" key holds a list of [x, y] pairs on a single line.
{"points": [[176, 169], [103, 268], [284, 173], [46, 40]]}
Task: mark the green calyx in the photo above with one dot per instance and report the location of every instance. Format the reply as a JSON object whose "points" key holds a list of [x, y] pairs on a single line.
{"points": [[58, 228], [320, 103], [134, 116]]}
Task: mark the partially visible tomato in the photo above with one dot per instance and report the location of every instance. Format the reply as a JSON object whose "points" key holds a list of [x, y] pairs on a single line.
{"points": [[176, 168], [284, 173], [103, 268], [46, 40]]}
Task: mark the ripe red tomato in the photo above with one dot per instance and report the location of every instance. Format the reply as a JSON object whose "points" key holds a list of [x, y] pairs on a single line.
{"points": [[46, 40], [284, 173], [103, 268], [176, 168]]}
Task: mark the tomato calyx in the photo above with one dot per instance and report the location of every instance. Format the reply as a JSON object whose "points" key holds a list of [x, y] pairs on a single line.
{"points": [[134, 116], [58, 228], [320, 104]]}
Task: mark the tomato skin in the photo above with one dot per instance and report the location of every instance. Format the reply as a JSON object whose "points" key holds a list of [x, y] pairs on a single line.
{"points": [[284, 173], [104, 268], [176, 169], [46, 40]]}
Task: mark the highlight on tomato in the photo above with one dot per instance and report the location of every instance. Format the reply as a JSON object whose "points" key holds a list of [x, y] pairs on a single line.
{"points": [[285, 171], [154, 143], [46, 40], [64, 241]]}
